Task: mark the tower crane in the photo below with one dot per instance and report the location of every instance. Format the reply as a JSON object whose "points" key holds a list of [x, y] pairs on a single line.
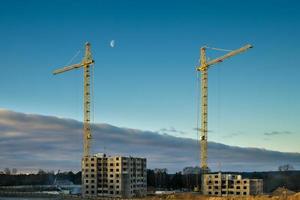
{"points": [[203, 68], [85, 63]]}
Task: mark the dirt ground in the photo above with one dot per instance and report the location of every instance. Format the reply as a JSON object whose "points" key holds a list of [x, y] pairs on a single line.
{"points": [[201, 197]]}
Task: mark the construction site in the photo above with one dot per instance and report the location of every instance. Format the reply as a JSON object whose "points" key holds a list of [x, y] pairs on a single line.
{"points": [[126, 177], [187, 100]]}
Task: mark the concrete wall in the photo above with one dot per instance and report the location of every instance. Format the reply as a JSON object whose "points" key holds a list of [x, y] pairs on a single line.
{"points": [[219, 184], [89, 176], [115, 176]]}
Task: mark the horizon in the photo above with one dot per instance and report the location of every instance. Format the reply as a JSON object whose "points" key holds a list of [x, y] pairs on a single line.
{"points": [[145, 81]]}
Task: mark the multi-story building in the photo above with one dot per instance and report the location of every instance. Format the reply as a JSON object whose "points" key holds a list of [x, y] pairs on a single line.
{"points": [[219, 184], [114, 176]]}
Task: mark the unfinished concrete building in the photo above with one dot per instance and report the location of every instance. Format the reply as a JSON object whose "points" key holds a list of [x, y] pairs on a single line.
{"points": [[114, 176], [219, 184]]}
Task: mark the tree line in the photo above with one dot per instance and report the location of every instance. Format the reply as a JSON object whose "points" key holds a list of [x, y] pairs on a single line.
{"points": [[272, 180], [158, 180], [40, 178]]}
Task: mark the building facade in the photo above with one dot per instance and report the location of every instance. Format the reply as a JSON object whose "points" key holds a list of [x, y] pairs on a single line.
{"points": [[114, 176], [219, 184]]}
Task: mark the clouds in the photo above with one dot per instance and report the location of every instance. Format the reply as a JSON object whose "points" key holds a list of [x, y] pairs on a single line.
{"points": [[232, 135], [30, 142], [277, 133], [171, 130]]}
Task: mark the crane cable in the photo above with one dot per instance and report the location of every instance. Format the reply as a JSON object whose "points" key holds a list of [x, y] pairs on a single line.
{"points": [[197, 96], [68, 63], [92, 100], [92, 92], [197, 104], [72, 59], [218, 49]]}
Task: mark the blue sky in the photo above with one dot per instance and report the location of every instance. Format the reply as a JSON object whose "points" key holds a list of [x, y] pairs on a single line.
{"points": [[148, 81]]}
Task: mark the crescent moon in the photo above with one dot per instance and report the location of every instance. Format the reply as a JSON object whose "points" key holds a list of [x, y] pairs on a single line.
{"points": [[112, 43]]}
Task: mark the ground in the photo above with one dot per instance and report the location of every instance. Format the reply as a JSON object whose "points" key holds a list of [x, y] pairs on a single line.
{"points": [[201, 197]]}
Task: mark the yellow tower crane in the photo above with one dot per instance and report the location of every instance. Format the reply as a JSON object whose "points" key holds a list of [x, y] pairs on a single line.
{"points": [[203, 68], [86, 62]]}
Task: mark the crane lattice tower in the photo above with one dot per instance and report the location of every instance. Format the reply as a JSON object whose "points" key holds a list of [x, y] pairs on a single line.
{"points": [[86, 64], [203, 68]]}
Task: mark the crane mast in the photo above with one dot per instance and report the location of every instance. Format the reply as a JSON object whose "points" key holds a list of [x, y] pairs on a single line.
{"points": [[203, 68], [203, 138], [87, 101], [86, 62]]}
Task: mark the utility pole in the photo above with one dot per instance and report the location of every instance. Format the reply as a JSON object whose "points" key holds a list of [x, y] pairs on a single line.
{"points": [[86, 62]]}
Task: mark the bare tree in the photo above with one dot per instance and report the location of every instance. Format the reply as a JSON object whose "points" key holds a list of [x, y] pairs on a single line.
{"points": [[14, 171], [41, 172], [7, 171], [286, 167]]}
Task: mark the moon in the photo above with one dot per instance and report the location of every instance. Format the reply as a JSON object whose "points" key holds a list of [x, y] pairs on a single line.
{"points": [[112, 44]]}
